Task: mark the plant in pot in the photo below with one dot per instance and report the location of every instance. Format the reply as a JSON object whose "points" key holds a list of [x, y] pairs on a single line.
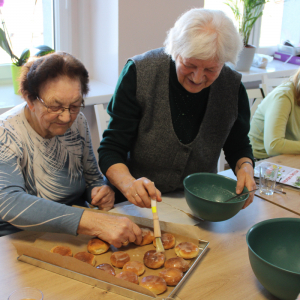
{"points": [[17, 62], [246, 13]]}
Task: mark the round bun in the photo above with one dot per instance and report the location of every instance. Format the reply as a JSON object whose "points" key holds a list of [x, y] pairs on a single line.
{"points": [[62, 250], [147, 235], [97, 246], [135, 267], [128, 276], [86, 257], [155, 284], [153, 259], [171, 275], [107, 268], [178, 263], [168, 240], [187, 250], [119, 259]]}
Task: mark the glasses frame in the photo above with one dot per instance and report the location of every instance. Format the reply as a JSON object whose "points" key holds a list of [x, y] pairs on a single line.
{"points": [[63, 108]]}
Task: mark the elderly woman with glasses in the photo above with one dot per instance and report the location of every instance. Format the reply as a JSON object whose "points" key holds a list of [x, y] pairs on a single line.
{"points": [[46, 158], [175, 108]]}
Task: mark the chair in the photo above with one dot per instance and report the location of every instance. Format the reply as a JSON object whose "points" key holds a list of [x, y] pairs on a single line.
{"points": [[271, 83], [102, 118], [255, 97]]}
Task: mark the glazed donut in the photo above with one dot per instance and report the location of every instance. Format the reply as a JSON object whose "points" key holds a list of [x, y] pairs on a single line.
{"points": [[153, 259], [62, 250], [168, 240], [97, 246], [147, 236], [107, 268], [178, 263], [155, 284], [128, 276], [135, 267], [119, 259], [86, 257], [171, 275], [187, 250]]}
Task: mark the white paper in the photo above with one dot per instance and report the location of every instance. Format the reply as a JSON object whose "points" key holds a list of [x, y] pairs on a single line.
{"points": [[173, 209]]}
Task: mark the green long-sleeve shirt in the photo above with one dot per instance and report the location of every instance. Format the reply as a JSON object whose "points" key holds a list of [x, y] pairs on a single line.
{"points": [[275, 127], [187, 115]]}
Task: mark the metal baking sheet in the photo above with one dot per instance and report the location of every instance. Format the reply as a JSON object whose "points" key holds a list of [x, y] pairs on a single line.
{"points": [[112, 287]]}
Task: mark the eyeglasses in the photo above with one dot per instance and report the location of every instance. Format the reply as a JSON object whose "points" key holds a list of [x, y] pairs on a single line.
{"points": [[73, 109]]}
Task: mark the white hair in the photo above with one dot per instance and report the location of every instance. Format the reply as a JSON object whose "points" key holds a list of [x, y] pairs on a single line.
{"points": [[204, 34]]}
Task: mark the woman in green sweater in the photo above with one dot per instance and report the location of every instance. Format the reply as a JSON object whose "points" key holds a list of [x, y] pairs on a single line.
{"points": [[175, 108], [275, 127]]}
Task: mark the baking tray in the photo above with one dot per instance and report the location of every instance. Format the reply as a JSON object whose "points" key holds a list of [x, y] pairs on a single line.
{"points": [[109, 286]]}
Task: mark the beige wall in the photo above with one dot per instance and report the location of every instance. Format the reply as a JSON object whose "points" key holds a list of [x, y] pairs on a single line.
{"points": [[123, 28], [143, 24]]}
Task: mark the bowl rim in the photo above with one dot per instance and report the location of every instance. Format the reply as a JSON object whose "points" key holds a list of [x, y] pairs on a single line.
{"points": [[260, 224], [213, 174]]}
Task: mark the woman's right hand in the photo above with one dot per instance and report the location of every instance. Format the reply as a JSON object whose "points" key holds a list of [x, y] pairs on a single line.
{"points": [[137, 191], [112, 229], [140, 192]]}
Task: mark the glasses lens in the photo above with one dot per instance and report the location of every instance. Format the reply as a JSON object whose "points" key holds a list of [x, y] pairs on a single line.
{"points": [[55, 109], [74, 109]]}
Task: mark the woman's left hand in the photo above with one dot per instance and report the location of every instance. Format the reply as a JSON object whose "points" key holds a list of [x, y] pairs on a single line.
{"points": [[103, 197], [245, 178]]}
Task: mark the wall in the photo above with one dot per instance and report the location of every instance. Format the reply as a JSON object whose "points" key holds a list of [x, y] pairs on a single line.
{"points": [[143, 24], [120, 29]]}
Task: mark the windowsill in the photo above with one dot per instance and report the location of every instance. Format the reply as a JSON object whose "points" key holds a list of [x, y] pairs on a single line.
{"points": [[99, 93], [275, 68]]}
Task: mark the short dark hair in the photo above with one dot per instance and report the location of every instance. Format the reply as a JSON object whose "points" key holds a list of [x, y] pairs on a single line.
{"points": [[37, 72]]}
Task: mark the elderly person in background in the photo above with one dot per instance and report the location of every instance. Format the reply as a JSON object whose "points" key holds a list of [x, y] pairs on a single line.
{"points": [[275, 126], [46, 154], [175, 108]]}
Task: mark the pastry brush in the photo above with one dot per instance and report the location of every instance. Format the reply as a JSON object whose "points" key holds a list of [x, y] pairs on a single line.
{"points": [[156, 226]]}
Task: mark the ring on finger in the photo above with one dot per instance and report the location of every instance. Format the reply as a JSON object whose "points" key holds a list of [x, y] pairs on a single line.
{"points": [[125, 243], [136, 195]]}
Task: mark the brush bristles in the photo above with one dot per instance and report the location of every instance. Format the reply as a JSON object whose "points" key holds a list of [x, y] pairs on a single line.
{"points": [[159, 245]]}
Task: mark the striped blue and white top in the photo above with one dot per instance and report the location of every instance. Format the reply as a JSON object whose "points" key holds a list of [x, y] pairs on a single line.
{"points": [[40, 178]]}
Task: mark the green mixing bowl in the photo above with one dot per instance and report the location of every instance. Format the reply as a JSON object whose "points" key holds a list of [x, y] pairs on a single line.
{"points": [[274, 253], [205, 194]]}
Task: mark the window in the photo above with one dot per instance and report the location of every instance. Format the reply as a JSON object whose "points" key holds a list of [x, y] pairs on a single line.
{"points": [[279, 22], [29, 24]]}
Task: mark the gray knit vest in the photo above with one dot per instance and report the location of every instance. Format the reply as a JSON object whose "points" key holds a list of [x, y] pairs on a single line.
{"points": [[157, 153]]}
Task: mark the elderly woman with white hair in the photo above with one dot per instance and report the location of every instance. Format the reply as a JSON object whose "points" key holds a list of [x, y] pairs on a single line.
{"points": [[175, 108]]}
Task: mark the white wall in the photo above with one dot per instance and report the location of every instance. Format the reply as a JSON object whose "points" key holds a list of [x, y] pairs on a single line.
{"points": [[123, 28], [143, 25], [103, 34]]}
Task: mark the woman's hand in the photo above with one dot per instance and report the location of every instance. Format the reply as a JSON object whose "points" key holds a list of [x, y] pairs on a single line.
{"points": [[103, 197], [112, 229], [245, 178], [137, 191], [141, 191]]}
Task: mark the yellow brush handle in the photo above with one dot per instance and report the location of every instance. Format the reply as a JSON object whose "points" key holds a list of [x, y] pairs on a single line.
{"points": [[156, 226]]}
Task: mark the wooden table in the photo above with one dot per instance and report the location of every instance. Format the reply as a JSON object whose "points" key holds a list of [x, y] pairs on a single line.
{"points": [[291, 200], [224, 272]]}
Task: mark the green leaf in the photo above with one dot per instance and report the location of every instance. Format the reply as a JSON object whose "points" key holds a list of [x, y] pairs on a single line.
{"points": [[44, 48], [4, 44], [23, 58]]}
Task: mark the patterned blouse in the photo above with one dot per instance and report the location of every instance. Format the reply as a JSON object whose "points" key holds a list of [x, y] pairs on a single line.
{"points": [[34, 170]]}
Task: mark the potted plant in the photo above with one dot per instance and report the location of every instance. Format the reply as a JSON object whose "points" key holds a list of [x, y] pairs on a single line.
{"points": [[17, 62], [246, 13]]}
